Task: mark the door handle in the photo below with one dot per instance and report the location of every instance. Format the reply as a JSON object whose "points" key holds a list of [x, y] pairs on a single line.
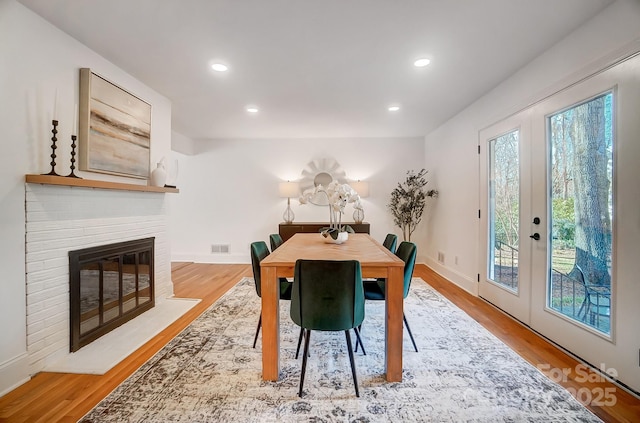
{"points": [[535, 236]]}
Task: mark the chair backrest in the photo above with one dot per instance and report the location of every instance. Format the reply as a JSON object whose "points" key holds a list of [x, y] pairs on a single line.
{"points": [[390, 242], [276, 241], [259, 251], [578, 274], [327, 294], [407, 251], [598, 295]]}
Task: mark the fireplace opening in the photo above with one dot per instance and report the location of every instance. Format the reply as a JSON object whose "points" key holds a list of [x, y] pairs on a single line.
{"points": [[109, 285]]}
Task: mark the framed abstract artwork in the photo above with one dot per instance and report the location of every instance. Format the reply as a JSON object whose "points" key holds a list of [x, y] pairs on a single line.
{"points": [[115, 129]]}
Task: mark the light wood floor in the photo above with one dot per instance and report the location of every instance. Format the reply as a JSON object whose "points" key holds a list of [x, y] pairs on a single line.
{"points": [[61, 397]]}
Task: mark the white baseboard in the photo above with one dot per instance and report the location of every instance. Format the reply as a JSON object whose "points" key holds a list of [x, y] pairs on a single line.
{"points": [[14, 373], [212, 258], [463, 281]]}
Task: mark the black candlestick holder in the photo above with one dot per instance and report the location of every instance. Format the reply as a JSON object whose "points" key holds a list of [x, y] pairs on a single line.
{"points": [[73, 158], [54, 131]]}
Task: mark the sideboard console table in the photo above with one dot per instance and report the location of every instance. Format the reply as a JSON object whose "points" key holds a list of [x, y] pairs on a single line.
{"points": [[287, 230]]}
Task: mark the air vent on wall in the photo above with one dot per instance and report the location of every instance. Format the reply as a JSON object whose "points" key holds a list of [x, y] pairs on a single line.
{"points": [[220, 248]]}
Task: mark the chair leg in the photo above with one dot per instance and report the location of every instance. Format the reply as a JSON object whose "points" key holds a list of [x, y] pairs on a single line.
{"points": [[304, 359], [257, 330], [359, 341], [583, 307], [353, 363], [409, 330], [299, 342], [356, 350]]}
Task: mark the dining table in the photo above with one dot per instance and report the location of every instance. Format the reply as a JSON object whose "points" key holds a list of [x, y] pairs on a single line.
{"points": [[376, 262]]}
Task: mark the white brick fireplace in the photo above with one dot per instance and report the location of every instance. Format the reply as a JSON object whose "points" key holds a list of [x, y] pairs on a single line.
{"points": [[60, 219]]}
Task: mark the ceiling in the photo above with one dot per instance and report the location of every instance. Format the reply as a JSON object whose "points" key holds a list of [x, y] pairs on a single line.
{"points": [[317, 68]]}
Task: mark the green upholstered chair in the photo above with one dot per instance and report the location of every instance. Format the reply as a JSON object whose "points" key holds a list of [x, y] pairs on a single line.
{"points": [[259, 251], [390, 242], [406, 251], [327, 295], [276, 241]]}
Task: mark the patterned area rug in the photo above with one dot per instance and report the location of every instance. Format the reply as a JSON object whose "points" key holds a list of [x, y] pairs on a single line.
{"points": [[210, 373]]}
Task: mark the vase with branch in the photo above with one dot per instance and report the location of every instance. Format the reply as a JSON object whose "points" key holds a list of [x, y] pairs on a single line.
{"points": [[338, 195], [408, 201]]}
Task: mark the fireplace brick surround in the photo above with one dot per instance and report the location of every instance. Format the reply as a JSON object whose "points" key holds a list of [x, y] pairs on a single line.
{"points": [[60, 219]]}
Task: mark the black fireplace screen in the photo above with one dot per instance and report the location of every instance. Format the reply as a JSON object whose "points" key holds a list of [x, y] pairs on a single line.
{"points": [[109, 285]]}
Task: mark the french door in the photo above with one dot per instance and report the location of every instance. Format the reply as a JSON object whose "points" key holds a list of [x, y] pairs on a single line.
{"points": [[506, 172], [550, 201]]}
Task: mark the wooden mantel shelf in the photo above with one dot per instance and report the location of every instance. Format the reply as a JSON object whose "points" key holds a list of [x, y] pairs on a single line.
{"points": [[89, 183]]}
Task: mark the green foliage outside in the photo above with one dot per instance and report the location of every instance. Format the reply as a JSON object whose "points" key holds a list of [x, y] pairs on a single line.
{"points": [[564, 224], [503, 229]]}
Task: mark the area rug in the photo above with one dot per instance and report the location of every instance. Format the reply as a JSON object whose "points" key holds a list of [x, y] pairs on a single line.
{"points": [[210, 373]]}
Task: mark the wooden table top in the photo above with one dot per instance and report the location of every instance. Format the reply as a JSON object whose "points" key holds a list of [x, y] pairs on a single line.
{"points": [[361, 247]]}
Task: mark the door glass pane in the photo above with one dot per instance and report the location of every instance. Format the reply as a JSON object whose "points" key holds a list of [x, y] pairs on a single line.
{"points": [[504, 209], [580, 181]]}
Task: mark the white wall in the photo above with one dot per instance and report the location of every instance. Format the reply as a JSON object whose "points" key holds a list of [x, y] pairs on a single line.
{"points": [[229, 190], [39, 60], [451, 150], [181, 144]]}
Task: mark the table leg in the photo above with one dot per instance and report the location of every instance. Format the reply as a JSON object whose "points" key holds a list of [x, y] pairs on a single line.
{"points": [[393, 328], [270, 324]]}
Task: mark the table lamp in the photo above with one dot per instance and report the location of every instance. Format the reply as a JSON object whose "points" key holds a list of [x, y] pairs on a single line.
{"points": [[287, 190], [362, 188]]}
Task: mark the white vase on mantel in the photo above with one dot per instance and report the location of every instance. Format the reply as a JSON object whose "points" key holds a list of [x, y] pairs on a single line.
{"points": [[159, 176]]}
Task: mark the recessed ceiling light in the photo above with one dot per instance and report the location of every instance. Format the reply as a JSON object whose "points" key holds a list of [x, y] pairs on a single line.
{"points": [[420, 63], [219, 67], [394, 108], [252, 109]]}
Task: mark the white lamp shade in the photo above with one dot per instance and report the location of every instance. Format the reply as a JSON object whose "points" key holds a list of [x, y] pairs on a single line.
{"points": [[289, 189], [361, 187]]}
